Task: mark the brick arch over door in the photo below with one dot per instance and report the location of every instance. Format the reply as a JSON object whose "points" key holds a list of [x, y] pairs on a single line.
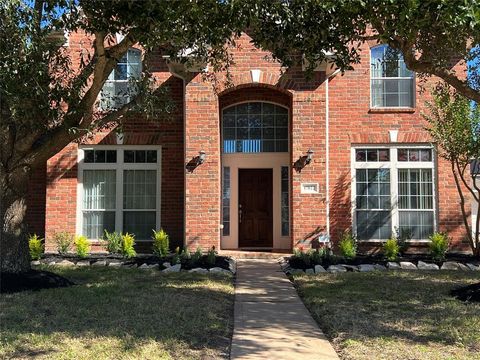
{"points": [[243, 93]]}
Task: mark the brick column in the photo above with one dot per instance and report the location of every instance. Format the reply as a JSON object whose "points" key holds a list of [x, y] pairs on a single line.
{"points": [[202, 183]]}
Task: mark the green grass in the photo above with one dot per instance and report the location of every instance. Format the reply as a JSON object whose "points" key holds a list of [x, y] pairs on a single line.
{"points": [[120, 314], [394, 315]]}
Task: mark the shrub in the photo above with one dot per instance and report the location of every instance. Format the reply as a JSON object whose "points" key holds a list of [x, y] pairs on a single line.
{"points": [[176, 256], [438, 246], [316, 256], [64, 241], [161, 243], [197, 256], [211, 256], [82, 246], [391, 249], [128, 241], [402, 236], [185, 256], [35, 245], [114, 242], [348, 246]]}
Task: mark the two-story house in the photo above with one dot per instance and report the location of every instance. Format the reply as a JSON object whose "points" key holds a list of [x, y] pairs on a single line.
{"points": [[275, 160]]}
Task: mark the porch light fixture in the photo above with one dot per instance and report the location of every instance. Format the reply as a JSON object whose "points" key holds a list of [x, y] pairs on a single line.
{"points": [[309, 157], [201, 157], [303, 161]]}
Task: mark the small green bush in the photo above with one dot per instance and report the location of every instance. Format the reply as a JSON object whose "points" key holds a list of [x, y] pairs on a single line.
{"points": [[82, 246], [64, 241], [197, 256], [35, 245], [176, 256], [185, 256], [316, 256], [161, 243], [114, 242], [348, 246], [402, 236], [128, 241], [391, 249], [212, 256], [438, 246]]}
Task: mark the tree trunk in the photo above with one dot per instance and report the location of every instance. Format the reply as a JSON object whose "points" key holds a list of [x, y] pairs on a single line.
{"points": [[14, 254]]}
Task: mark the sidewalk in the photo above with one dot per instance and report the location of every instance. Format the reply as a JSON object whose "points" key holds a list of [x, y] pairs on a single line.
{"points": [[271, 321]]}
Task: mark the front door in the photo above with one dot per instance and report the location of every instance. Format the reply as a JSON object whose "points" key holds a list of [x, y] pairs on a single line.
{"points": [[255, 208]]}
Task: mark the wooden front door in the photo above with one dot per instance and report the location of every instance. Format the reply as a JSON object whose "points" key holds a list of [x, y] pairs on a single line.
{"points": [[255, 214]]}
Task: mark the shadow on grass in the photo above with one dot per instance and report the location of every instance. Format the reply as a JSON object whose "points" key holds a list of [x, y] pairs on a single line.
{"points": [[414, 307], [179, 315]]}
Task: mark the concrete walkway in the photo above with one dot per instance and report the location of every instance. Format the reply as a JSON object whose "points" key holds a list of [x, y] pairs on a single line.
{"points": [[271, 321]]}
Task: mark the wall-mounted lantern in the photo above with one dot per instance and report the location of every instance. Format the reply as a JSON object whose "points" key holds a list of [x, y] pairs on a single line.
{"points": [[196, 161], [201, 157], [303, 160]]}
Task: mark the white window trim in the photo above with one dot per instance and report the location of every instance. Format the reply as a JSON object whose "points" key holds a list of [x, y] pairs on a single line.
{"points": [[413, 78], [119, 166], [395, 165]]}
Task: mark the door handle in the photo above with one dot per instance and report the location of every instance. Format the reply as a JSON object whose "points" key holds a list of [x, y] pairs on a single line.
{"points": [[240, 212]]}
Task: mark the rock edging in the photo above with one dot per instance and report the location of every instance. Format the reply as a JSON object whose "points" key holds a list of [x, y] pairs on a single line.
{"points": [[368, 267]]}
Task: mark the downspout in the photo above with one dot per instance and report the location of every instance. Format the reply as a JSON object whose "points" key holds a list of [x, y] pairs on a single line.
{"points": [[327, 151]]}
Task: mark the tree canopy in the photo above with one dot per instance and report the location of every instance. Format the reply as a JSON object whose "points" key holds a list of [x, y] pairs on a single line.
{"points": [[433, 35]]}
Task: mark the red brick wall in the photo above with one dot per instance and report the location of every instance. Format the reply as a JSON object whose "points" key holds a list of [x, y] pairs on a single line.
{"points": [[353, 122], [165, 129], [198, 207]]}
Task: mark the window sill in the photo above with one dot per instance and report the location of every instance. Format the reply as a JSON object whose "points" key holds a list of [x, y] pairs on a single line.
{"points": [[392, 110]]}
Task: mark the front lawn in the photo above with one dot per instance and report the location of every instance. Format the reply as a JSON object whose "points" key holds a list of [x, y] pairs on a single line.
{"points": [[120, 314], [394, 315]]}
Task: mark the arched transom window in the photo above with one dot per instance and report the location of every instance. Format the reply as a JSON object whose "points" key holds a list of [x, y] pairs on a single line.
{"points": [[254, 127]]}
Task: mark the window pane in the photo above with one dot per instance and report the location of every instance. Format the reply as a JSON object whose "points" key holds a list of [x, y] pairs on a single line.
{"points": [[129, 156], [418, 224], [100, 156], [96, 222], [139, 189], [139, 223], [285, 201], [226, 201], [373, 225], [99, 188], [360, 155], [111, 156], [151, 156], [255, 127], [89, 156]]}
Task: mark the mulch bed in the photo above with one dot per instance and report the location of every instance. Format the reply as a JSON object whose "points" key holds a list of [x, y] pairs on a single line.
{"points": [[470, 293], [220, 261], [31, 280]]}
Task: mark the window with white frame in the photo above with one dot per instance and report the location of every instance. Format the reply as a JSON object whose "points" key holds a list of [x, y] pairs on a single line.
{"points": [[119, 191], [254, 127], [393, 192], [121, 84], [392, 84]]}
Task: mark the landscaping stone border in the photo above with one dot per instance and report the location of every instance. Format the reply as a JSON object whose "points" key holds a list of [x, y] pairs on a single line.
{"points": [[391, 265], [165, 267]]}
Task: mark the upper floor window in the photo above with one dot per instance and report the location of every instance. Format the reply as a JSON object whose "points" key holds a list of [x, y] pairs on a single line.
{"points": [[392, 84], [121, 83], [255, 127]]}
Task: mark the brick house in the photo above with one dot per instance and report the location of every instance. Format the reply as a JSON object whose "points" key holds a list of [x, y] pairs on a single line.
{"points": [[273, 161]]}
